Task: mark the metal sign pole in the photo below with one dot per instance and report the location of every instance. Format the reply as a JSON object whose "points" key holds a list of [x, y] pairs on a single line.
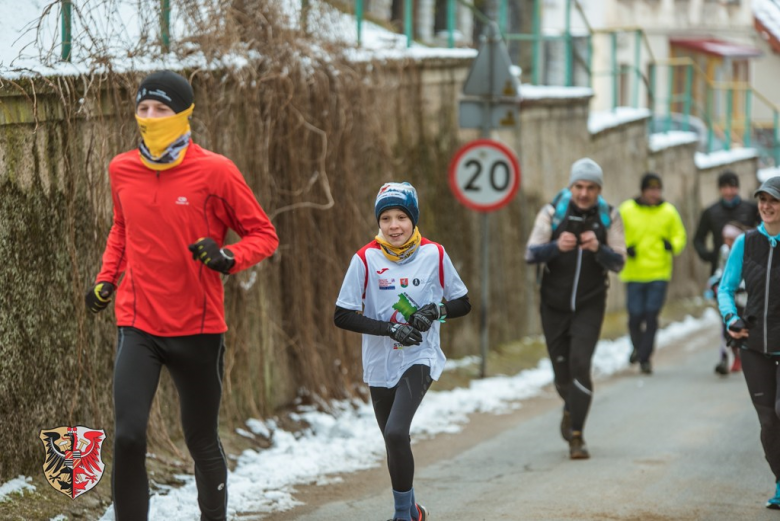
{"points": [[494, 104], [492, 35]]}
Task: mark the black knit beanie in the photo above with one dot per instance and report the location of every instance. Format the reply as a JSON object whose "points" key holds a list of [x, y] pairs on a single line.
{"points": [[166, 87], [651, 180], [728, 178]]}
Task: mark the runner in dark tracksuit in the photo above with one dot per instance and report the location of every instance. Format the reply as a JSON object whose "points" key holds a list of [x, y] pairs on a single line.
{"points": [[730, 208], [578, 243], [755, 258]]}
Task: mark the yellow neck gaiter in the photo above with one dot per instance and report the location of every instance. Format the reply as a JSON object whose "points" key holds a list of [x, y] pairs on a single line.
{"points": [[164, 140], [399, 253]]}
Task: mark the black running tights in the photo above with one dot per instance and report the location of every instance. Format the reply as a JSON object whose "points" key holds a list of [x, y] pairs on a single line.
{"points": [[762, 374], [571, 341], [394, 409], [195, 364]]}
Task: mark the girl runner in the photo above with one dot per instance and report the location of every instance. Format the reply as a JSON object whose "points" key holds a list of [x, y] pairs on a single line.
{"points": [[393, 294]]}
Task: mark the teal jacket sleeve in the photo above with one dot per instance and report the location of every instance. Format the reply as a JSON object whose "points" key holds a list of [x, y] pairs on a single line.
{"points": [[732, 276]]}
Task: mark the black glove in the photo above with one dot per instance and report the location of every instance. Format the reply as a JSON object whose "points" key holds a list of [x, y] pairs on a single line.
{"points": [[667, 245], [207, 251], [404, 334], [99, 296], [631, 251], [423, 318], [739, 343], [738, 325]]}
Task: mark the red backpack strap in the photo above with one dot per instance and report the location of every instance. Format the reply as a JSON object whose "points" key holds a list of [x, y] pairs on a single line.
{"points": [[441, 258], [362, 254]]}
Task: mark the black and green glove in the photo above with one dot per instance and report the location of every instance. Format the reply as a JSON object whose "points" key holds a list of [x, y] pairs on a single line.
{"points": [[423, 318], [404, 334], [207, 251], [99, 296]]}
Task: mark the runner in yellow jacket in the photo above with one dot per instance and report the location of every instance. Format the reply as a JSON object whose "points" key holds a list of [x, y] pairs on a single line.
{"points": [[654, 234]]}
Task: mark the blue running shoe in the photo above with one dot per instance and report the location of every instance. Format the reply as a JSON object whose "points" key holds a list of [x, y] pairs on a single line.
{"points": [[774, 502]]}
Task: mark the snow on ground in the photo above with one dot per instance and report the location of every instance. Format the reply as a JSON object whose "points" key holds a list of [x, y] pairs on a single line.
{"points": [[15, 486], [662, 140], [348, 440], [723, 157], [598, 121]]}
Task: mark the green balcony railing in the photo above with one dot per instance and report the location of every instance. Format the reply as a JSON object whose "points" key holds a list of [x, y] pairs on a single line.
{"points": [[725, 112], [66, 23]]}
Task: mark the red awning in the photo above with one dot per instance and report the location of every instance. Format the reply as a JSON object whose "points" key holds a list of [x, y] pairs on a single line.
{"points": [[716, 47]]}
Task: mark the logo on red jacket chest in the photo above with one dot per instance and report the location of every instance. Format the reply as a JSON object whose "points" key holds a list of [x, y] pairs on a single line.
{"points": [[182, 200]]}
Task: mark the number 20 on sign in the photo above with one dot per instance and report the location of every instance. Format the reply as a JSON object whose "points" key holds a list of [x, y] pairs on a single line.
{"points": [[484, 175]]}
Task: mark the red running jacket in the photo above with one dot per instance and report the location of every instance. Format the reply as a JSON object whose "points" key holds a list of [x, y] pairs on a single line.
{"points": [[157, 215]]}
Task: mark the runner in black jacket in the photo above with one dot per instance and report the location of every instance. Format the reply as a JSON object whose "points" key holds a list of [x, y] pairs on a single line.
{"points": [[578, 242], [730, 208]]}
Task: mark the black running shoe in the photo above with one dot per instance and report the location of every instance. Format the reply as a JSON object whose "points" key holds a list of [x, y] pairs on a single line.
{"points": [[634, 357], [646, 367], [566, 425], [577, 447], [723, 367]]}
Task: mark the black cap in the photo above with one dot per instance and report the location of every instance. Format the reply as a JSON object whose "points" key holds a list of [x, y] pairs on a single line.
{"points": [[651, 180], [728, 178], [167, 87], [771, 186]]}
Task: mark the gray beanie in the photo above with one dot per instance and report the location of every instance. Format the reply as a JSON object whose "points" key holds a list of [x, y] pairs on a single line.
{"points": [[586, 169]]}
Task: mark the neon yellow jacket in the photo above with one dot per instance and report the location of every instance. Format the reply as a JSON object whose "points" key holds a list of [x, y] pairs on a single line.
{"points": [[646, 228]]}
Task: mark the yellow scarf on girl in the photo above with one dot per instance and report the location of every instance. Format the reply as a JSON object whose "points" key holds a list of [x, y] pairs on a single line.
{"points": [[399, 253], [165, 140]]}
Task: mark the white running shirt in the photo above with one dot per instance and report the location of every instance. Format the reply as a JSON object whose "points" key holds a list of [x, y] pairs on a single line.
{"points": [[374, 284]]}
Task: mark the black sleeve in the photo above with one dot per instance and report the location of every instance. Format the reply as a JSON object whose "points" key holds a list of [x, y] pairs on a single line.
{"points": [[700, 239], [458, 307], [542, 252], [609, 258], [353, 321]]}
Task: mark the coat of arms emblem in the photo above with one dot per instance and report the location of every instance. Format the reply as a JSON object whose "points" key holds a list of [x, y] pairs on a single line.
{"points": [[73, 462]]}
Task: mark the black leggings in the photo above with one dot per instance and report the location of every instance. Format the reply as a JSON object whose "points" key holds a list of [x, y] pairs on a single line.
{"points": [[762, 374], [195, 364], [394, 409], [571, 340]]}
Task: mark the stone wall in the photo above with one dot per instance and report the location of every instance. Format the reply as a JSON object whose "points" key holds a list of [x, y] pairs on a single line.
{"points": [[396, 121]]}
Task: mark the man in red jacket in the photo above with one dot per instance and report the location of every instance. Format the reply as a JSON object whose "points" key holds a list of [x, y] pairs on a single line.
{"points": [[173, 204]]}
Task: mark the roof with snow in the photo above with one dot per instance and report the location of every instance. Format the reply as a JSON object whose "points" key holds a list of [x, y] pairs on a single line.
{"points": [[766, 16]]}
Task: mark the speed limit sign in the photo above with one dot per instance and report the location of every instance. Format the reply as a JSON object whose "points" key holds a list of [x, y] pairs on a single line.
{"points": [[484, 175]]}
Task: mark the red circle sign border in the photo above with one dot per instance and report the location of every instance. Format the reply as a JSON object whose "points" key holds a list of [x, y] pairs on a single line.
{"points": [[453, 171]]}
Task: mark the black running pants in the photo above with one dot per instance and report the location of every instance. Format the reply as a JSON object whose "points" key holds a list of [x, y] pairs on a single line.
{"points": [[571, 338], [394, 409], [762, 374], [195, 364]]}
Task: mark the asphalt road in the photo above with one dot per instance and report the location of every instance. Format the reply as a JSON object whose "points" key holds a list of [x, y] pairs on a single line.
{"points": [[682, 444]]}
